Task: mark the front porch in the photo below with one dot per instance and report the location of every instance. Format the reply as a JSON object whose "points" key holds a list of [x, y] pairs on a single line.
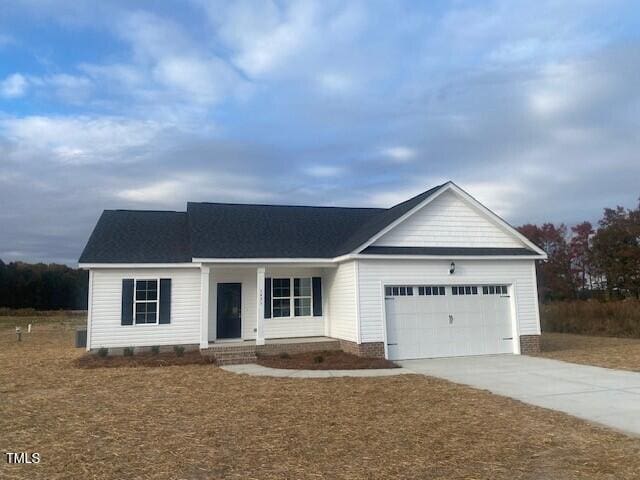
{"points": [[248, 306], [246, 351]]}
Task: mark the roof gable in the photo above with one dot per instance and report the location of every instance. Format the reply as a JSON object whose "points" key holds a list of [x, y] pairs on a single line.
{"points": [[448, 221], [429, 230]]}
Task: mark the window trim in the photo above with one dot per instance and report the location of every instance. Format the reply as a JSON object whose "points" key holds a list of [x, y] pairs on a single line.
{"points": [[292, 297], [136, 301]]}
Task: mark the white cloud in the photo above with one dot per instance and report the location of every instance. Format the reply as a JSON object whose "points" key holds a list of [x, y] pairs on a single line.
{"points": [[388, 197], [151, 36], [324, 171], [197, 187], [264, 35], [201, 80], [170, 73], [567, 87], [122, 74], [13, 86], [399, 154], [335, 82], [66, 87], [159, 192], [502, 196], [79, 140], [517, 51], [70, 88]]}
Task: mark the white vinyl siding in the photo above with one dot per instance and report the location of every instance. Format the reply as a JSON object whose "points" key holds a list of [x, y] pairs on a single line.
{"points": [[341, 291], [106, 304], [373, 274], [448, 221]]}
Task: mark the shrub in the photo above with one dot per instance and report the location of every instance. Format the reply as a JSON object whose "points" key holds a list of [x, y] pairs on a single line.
{"points": [[103, 352], [318, 359], [284, 355], [591, 317], [155, 349], [179, 349], [128, 352]]}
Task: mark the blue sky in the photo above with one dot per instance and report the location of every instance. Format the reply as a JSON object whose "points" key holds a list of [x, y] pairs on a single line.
{"points": [[532, 107]]}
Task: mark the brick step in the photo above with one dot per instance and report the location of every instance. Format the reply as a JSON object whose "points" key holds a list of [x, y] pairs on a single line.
{"points": [[235, 358]]}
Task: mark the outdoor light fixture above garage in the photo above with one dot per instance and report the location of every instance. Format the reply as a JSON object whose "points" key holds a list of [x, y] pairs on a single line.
{"points": [[452, 268]]}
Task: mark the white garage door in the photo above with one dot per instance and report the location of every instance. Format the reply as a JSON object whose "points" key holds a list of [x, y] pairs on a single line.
{"points": [[426, 321]]}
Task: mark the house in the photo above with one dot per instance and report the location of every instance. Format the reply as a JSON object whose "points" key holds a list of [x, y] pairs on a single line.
{"points": [[437, 275]]}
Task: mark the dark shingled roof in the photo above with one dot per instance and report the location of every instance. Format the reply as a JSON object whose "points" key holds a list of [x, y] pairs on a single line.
{"points": [[132, 236], [221, 230], [446, 251], [224, 230]]}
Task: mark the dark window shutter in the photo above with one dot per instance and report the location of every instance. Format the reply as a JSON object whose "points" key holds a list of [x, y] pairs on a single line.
{"points": [[126, 315], [165, 300], [317, 296], [267, 298]]}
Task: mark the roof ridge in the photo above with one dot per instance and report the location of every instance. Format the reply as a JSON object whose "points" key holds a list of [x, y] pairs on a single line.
{"points": [[433, 189], [143, 211], [284, 205]]}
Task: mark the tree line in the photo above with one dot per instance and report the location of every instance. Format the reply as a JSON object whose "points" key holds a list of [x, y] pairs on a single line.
{"points": [[42, 286], [586, 261]]}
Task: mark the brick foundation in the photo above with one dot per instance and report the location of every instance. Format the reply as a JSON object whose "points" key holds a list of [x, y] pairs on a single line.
{"points": [[293, 348], [372, 350], [529, 344]]}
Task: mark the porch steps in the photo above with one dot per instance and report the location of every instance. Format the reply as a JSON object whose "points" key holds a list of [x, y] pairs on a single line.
{"points": [[232, 354]]}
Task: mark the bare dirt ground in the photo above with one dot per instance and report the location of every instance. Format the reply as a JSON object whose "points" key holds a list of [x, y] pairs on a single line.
{"points": [[608, 352], [200, 422]]}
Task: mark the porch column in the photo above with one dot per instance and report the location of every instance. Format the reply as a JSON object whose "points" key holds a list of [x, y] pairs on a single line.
{"points": [[260, 306], [204, 306]]}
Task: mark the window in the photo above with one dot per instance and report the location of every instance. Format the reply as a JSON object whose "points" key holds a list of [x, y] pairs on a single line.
{"points": [[399, 291], [281, 297], [409, 291], [283, 294], [146, 302], [494, 290], [465, 290], [302, 297]]}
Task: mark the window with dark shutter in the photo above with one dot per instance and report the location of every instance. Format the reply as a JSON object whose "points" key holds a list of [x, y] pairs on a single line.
{"points": [[165, 300], [126, 313], [317, 296], [267, 298]]}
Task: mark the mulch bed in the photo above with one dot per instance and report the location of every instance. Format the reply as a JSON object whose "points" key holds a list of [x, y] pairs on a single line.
{"points": [[325, 360], [143, 360]]}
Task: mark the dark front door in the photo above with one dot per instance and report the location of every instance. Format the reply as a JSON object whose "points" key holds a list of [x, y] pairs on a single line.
{"points": [[229, 310]]}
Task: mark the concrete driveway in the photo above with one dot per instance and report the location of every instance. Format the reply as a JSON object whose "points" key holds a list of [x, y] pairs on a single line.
{"points": [[600, 395]]}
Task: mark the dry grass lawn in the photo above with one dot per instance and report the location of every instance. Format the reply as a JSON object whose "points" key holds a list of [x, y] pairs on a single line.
{"points": [[200, 422], [622, 353]]}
